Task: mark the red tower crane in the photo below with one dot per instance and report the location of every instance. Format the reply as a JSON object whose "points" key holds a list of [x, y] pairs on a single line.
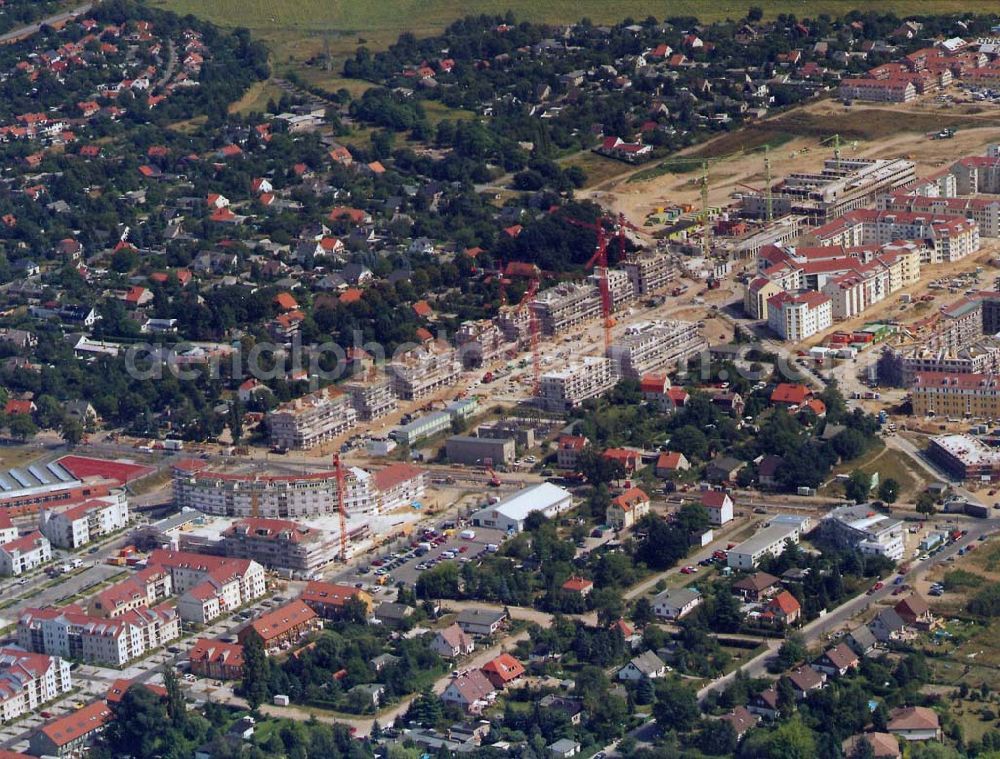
{"points": [[342, 505]]}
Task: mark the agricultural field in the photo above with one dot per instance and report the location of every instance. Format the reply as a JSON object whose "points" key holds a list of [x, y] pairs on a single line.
{"points": [[301, 29]]}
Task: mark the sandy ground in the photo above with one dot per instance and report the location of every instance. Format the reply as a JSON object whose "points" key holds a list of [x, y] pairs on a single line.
{"points": [[637, 199]]}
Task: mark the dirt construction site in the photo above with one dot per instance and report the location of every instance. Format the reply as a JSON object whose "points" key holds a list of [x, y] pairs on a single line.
{"points": [[801, 140]]}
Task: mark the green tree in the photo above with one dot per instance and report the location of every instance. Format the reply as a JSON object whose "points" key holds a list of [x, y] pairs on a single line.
{"points": [[792, 740], [692, 518], [858, 486], [925, 504], [888, 490], [792, 651], [717, 737], [72, 431], [642, 612], [256, 672], [676, 705], [22, 427], [645, 693]]}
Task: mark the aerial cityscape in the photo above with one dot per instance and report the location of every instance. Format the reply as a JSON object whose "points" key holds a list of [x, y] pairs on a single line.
{"points": [[537, 380]]}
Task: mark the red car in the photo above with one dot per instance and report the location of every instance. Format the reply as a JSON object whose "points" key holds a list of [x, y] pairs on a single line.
{"points": [[45, 715], [875, 587], [463, 549]]}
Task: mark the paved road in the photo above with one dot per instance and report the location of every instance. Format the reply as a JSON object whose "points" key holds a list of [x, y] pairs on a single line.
{"points": [[26, 31]]}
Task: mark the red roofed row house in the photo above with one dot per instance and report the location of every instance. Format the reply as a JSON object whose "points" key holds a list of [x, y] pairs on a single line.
{"points": [[69, 735], [282, 628], [217, 659]]}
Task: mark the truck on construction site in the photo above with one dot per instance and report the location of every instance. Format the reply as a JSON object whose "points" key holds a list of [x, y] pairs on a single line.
{"points": [[679, 290]]}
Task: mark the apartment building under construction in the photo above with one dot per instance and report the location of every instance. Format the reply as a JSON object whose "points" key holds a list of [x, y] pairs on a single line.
{"points": [[565, 306], [308, 421], [653, 346], [650, 272], [372, 399], [567, 388], [423, 371], [843, 184]]}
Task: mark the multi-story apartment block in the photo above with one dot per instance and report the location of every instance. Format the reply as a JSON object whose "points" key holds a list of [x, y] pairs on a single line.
{"points": [[294, 496], [798, 317], [565, 306], [24, 554], [951, 238], [188, 570], [978, 174], [567, 388], [857, 527], [896, 90], [8, 530], [28, 680], [145, 588], [399, 484], [979, 357], [371, 399], [423, 371], [655, 345], [85, 522], [480, 342], [956, 396], [71, 633], [306, 422], [843, 185], [984, 211], [280, 543], [650, 272]]}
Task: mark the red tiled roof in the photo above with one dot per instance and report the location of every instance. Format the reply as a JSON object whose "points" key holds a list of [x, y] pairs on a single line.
{"points": [[669, 460], [285, 301], [78, 724], [504, 668], [784, 603], [276, 623], [791, 394], [577, 584], [630, 499], [395, 474], [328, 593]]}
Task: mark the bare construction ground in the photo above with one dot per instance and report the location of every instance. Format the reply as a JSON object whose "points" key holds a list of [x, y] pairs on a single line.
{"points": [[803, 139]]}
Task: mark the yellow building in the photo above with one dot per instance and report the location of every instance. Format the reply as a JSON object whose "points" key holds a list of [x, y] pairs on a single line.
{"points": [[956, 396]]}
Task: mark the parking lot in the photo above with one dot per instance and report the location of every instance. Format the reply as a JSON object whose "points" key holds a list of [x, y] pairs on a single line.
{"points": [[404, 562]]}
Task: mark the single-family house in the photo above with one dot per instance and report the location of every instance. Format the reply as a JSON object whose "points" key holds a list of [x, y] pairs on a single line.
{"points": [[646, 665], [452, 642], [719, 506], [837, 661], [914, 723], [675, 603], [756, 587]]}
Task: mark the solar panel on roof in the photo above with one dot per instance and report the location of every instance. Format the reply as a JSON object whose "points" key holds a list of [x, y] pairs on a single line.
{"points": [[5, 483]]}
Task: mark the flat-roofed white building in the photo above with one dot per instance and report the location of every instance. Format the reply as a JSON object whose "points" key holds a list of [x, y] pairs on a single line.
{"points": [[867, 530], [769, 541], [510, 513]]}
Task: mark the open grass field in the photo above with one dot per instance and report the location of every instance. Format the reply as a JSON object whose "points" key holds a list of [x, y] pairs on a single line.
{"points": [[293, 28]]}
